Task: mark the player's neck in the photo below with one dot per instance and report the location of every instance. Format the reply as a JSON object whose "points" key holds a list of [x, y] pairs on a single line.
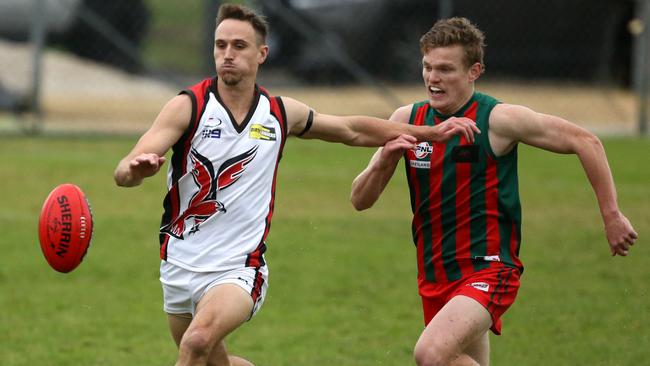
{"points": [[237, 98], [458, 105]]}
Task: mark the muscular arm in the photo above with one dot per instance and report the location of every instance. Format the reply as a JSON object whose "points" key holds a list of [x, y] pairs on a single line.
{"points": [[510, 124], [371, 182], [368, 131], [147, 156]]}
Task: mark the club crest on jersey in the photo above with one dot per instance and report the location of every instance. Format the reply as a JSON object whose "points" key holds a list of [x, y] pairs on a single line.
{"points": [[203, 203], [260, 132]]}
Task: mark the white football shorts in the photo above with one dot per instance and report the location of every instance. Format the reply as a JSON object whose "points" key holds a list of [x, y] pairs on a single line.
{"points": [[182, 289]]}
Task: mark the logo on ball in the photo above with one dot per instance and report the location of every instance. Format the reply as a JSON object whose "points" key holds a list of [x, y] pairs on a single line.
{"points": [[65, 227]]}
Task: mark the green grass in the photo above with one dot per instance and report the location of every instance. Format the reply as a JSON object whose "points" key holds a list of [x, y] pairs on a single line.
{"points": [[342, 287]]}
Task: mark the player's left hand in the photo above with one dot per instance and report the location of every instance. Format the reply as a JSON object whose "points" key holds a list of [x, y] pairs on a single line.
{"points": [[620, 234], [457, 126]]}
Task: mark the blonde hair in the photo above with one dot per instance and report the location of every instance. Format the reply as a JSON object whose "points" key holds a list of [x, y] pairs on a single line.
{"points": [[456, 31]]}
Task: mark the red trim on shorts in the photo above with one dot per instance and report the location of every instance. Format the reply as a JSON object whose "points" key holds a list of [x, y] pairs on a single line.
{"points": [[256, 291]]}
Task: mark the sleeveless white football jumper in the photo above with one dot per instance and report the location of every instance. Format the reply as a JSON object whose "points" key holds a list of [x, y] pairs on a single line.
{"points": [[221, 183]]}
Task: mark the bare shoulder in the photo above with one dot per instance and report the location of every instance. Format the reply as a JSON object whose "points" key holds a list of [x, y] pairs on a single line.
{"points": [[175, 115], [167, 128], [507, 113], [179, 108], [508, 118], [179, 103], [402, 114], [507, 126]]}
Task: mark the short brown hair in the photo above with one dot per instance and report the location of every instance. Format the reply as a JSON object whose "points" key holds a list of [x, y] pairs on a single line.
{"points": [[239, 12], [456, 31]]}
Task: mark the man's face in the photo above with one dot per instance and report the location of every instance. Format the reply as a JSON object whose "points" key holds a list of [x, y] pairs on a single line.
{"points": [[448, 80], [237, 54]]}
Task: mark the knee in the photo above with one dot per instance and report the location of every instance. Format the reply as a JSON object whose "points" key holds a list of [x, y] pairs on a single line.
{"points": [[429, 354], [196, 342]]}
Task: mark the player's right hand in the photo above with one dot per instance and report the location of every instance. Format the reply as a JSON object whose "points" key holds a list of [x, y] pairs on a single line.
{"points": [[393, 150], [620, 234], [145, 165]]}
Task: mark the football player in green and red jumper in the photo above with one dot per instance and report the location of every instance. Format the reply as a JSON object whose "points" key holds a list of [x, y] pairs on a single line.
{"points": [[465, 199]]}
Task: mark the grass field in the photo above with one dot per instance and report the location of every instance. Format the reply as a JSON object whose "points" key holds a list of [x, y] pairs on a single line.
{"points": [[342, 287]]}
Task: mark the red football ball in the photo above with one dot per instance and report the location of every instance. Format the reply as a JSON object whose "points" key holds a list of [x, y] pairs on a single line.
{"points": [[65, 227]]}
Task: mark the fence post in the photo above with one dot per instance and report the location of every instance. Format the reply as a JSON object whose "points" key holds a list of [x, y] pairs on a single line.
{"points": [[445, 9], [640, 28], [37, 38], [211, 8]]}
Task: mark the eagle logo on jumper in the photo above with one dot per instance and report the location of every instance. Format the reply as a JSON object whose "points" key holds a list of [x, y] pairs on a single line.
{"points": [[204, 203]]}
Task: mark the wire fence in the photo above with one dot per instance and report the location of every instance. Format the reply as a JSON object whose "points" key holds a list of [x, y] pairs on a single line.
{"points": [[110, 65]]}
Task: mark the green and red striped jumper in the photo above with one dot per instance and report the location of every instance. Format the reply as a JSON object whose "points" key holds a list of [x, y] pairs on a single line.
{"points": [[465, 200]]}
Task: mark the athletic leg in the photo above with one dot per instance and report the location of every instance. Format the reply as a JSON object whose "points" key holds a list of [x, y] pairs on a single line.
{"points": [[477, 353], [219, 353], [178, 323], [455, 335], [479, 350], [222, 309]]}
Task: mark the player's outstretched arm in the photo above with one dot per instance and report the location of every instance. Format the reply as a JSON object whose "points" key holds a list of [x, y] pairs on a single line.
{"points": [[147, 156], [370, 183], [511, 123], [367, 131]]}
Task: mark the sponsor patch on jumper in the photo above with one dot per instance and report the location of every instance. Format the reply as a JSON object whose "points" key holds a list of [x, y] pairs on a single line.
{"points": [[260, 132], [465, 154], [481, 286], [211, 133], [417, 164], [488, 258], [422, 150]]}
